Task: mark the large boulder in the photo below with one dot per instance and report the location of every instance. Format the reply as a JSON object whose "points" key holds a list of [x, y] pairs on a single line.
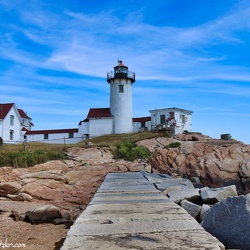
{"points": [[213, 195], [177, 196], [229, 221], [43, 214]]}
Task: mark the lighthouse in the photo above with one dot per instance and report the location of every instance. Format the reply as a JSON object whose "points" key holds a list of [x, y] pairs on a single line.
{"points": [[121, 81]]}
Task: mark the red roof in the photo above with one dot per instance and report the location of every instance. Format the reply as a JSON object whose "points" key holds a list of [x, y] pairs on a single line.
{"points": [[52, 131], [99, 113], [4, 109], [142, 119], [120, 64], [23, 114]]}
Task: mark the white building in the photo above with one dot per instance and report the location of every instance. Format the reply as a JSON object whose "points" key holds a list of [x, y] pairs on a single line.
{"points": [[174, 119], [14, 123], [55, 136]]}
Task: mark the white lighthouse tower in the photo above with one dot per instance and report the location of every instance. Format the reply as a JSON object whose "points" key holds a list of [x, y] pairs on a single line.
{"points": [[121, 80]]}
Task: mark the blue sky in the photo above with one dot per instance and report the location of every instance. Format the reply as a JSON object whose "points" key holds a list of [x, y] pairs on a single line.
{"points": [[54, 57]]}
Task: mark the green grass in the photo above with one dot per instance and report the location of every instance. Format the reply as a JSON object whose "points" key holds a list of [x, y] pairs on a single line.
{"points": [[112, 140], [16, 155], [28, 159], [37, 152]]}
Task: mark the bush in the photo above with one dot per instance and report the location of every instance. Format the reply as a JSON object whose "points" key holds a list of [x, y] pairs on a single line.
{"points": [[173, 145], [1, 141], [129, 151]]}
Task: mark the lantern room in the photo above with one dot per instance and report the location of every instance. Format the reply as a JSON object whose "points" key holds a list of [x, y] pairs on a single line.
{"points": [[121, 72]]}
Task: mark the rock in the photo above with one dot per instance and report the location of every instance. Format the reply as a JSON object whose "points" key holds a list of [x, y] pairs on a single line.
{"points": [[43, 214], [17, 216], [189, 194], [153, 177], [59, 221], [93, 156], [245, 168], [56, 175], [213, 195], [170, 189], [20, 197], [135, 167], [215, 162], [9, 188], [204, 209], [191, 208], [181, 182], [147, 168], [229, 221], [45, 189], [246, 184]]}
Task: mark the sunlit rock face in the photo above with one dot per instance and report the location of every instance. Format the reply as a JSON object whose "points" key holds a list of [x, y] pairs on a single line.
{"points": [[212, 162]]}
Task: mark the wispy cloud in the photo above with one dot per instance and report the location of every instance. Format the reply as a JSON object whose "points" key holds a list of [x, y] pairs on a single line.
{"points": [[53, 55]]}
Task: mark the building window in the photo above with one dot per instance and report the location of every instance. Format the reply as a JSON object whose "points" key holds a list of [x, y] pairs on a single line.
{"points": [[183, 118], [11, 134], [12, 120], [143, 124], [71, 135], [121, 88], [46, 136], [162, 119]]}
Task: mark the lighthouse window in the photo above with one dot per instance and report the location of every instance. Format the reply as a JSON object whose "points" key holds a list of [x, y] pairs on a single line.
{"points": [[121, 88]]}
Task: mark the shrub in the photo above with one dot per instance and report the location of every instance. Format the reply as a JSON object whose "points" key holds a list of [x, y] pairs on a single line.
{"points": [[173, 145], [129, 151], [1, 141]]}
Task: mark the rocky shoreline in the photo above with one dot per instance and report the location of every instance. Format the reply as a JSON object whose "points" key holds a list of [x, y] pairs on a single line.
{"points": [[61, 190]]}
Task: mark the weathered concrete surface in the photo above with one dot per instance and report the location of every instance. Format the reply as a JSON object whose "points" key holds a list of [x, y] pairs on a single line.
{"points": [[128, 212]]}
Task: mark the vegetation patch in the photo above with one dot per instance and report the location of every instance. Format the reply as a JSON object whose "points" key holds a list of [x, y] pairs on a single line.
{"points": [[129, 151], [173, 145], [28, 159]]}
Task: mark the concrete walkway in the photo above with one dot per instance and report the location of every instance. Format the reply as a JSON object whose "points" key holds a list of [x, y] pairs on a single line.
{"points": [[128, 212]]}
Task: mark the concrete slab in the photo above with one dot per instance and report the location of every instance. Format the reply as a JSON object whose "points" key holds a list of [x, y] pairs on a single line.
{"points": [[126, 181], [122, 195], [130, 218], [132, 228], [129, 175], [125, 201], [161, 208], [106, 198], [184, 240], [128, 212], [128, 188]]}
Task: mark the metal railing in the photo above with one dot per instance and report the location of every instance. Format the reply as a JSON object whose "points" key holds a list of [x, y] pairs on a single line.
{"points": [[128, 74]]}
